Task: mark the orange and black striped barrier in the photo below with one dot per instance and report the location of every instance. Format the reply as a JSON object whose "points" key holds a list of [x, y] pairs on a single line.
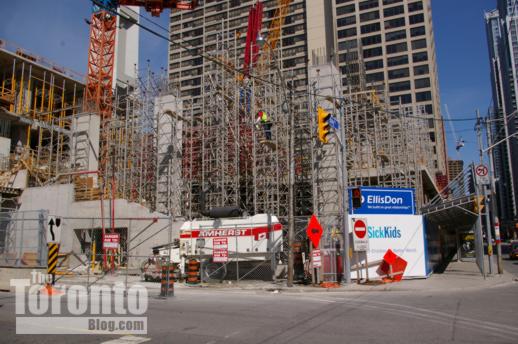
{"points": [[167, 281], [52, 261], [193, 271]]}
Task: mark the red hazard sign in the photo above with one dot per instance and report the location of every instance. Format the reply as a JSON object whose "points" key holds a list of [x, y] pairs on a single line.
{"points": [[314, 231], [220, 250], [111, 241]]}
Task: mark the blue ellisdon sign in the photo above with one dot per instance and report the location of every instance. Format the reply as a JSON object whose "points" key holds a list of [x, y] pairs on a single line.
{"points": [[384, 201]]}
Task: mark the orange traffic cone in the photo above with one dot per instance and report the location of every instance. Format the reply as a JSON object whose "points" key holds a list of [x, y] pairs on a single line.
{"points": [[49, 290]]}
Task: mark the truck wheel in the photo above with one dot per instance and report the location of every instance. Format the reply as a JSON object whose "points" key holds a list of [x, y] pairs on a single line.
{"points": [[214, 271]]}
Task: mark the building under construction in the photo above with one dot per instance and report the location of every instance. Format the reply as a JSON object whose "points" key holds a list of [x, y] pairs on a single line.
{"points": [[52, 163], [159, 151]]}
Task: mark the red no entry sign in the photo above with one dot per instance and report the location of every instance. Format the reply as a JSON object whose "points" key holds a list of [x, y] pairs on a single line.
{"points": [[360, 237], [360, 229]]}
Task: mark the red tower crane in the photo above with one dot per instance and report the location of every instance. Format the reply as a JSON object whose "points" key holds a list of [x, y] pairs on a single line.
{"points": [[101, 51], [99, 88]]}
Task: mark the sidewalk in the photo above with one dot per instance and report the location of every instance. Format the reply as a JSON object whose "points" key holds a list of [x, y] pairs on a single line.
{"points": [[459, 276]]}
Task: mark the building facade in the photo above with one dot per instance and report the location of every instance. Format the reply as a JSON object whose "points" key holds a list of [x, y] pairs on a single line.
{"points": [[502, 37], [201, 28], [394, 42], [391, 41], [455, 167]]}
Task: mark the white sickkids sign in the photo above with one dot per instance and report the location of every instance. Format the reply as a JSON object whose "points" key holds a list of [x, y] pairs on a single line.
{"points": [[403, 234]]}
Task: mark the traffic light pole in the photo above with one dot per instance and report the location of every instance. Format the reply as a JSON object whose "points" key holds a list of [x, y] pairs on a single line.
{"points": [[483, 191], [345, 197], [494, 209]]}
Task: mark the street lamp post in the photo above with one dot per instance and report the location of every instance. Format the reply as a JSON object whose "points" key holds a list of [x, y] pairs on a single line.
{"points": [[489, 151], [493, 202]]}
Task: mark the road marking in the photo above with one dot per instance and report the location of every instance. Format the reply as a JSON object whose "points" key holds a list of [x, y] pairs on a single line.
{"points": [[231, 334], [128, 340]]}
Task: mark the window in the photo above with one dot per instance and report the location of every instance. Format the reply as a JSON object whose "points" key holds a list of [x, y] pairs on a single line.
{"points": [[347, 33], [364, 5], [421, 70], [374, 64], [399, 86], [370, 40], [402, 99], [398, 73], [375, 77], [422, 83], [393, 11], [352, 44], [428, 108], [415, 6], [396, 48], [398, 22], [416, 18], [398, 60], [417, 31], [351, 56], [346, 9], [372, 52], [389, 2], [346, 21], [423, 96], [418, 57], [369, 16], [419, 44], [338, 2], [395, 35], [432, 137], [370, 28]]}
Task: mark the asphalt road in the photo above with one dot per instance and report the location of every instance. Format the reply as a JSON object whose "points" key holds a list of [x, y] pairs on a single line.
{"points": [[232, 316]]}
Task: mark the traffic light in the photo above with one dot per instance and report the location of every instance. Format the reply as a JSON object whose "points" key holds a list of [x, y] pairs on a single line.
{"points": [[478, 204], [357, 198], [323, 125]]}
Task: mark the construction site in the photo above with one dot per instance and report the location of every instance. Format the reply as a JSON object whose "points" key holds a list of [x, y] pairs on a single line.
{"points": [[139, 160]]}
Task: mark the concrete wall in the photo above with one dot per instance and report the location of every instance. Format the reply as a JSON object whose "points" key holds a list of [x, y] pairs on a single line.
{"points": [[58, 200], [127, 44], [320, 30]]}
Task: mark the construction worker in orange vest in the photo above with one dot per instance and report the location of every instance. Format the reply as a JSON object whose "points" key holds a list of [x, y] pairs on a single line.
{"points": [[262, 118]]}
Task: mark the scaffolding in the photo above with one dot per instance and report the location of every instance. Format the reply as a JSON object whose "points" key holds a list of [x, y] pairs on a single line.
{"points": [[40, 103], [386, 148], [225, 152]]}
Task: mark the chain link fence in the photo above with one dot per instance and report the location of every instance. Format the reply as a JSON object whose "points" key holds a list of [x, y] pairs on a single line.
{"points": [[223, 252], [22, 239]]}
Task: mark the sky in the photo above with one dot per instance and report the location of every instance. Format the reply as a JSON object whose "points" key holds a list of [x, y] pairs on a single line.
{"points": [[56, 30]]}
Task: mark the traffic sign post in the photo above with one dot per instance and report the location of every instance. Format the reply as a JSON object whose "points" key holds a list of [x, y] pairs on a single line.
{"points": [[316, 258], [333, 123], [482, 174], [314, 231], [53, 229], [52, 260], [360, 237]]}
